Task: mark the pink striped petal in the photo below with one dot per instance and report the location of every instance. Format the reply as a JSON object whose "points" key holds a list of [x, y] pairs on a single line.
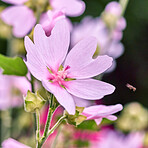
{"points": [[70, 7], [16, 2], [81, 63], [82, 102], [35, 62], [89, 89], [21, 18], [63, 97], [54, 48], [102, 111], [48, 20]]}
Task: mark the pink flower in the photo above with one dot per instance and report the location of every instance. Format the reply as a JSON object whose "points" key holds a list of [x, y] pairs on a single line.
{"points": [[98, 112], [47, 54], [70, 7], [12, 89], [13, 144], [22, 18], [97, 28], [115, 10], [19, 16], [49, 19], [118, 140]]}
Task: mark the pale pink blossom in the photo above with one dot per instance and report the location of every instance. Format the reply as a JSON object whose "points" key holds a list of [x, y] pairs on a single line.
{"points": [[97, 28], [98, 112], [19, 16], [46, 55], [49, 19], [22, 18], [12, 89], [70, 7], [114, 9], [118, 140], [11, 143]]}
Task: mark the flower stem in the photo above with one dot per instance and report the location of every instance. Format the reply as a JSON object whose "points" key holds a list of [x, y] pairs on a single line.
{"points": [[123, 4], [38, 126], [52, 130], [56, 125]]}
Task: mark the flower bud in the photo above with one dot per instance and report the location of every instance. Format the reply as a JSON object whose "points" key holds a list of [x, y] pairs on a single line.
{"points": [[33, 102], [133, 118], [77, 118]]}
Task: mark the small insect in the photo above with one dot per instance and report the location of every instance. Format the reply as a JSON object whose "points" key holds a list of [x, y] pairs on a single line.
{"points": [[131, 87]]}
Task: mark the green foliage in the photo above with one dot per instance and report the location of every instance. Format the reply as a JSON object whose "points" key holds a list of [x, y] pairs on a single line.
{"points": [[89, 125], [13, 66], [81, 143]]}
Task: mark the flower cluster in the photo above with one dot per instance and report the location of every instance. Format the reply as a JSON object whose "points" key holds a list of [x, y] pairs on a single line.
{"points": [[46, 12]]}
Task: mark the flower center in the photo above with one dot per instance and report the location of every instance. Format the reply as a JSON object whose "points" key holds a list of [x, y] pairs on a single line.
{"points": [[60, 76]]}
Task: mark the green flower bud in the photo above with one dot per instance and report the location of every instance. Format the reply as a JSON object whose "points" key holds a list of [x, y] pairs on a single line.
{"points": [[33, 102], [133, 118], [77, 118]]}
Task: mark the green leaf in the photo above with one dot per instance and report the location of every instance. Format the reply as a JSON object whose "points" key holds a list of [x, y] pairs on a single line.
{"points": [[13, 66]]}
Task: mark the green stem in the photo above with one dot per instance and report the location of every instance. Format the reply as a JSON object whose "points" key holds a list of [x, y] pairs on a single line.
{"points": [[52, 130], [56, 125], [38, 126], [123, 4], [50, 112]]}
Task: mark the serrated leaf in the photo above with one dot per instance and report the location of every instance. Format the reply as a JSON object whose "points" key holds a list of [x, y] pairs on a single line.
{"points": [[13, 66]]}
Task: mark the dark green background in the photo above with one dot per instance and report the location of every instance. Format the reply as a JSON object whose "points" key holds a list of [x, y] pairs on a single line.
{"points": [[132, 66]]}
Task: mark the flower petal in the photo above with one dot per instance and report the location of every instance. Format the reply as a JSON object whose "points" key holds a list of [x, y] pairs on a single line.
{"points": [[16, 2], [81, 63], [98, 111], [89, 89], [53, 49], [63, 97], [48, 20], [20, 17], [111, 117], [70, 7], [116, 49], [34, 62], [98, 121], [82, 102]]}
